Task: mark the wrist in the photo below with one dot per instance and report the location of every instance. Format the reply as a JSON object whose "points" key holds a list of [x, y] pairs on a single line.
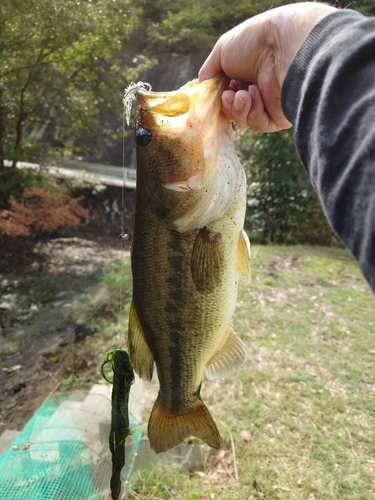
{"points": [[293, 23]]}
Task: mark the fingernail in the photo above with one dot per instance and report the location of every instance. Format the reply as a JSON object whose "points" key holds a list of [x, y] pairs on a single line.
{"points": [[238, 103], [225, 104], [252, 90]]}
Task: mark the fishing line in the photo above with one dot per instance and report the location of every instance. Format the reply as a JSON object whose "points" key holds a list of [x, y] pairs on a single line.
{"points": [[123, 236]]}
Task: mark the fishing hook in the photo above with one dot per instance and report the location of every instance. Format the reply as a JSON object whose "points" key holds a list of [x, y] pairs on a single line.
{"points": [[130, 95]]}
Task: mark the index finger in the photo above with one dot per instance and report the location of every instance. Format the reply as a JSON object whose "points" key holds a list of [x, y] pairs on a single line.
{"points": [[212, 66]]}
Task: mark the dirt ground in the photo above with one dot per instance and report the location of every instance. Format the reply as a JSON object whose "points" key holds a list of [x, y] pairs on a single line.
{"points": [[39, 283]]}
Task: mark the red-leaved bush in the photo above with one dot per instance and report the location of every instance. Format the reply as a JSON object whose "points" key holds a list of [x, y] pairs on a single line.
{"points": [[41, 210]]}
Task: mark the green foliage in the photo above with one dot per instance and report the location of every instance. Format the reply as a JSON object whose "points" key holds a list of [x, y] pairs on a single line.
{"points": [[187, 27], [283, 206], [366, 7], [62, 74], [82, 184], [14, 181], [184, 31]]}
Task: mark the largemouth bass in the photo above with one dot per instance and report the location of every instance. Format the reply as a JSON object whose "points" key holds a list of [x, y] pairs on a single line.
{"points": [[188, 252]]}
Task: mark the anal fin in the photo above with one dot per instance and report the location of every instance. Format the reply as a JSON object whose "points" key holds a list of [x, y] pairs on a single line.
{"points": [[230, 356], [167, 430], [140, 354], [243, 257]]}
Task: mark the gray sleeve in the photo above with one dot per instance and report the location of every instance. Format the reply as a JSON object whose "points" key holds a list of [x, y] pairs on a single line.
{"points": [[329, 96]]}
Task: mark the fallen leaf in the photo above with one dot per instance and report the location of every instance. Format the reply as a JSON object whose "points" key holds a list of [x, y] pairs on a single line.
{"points": [[199, 473], [218, 456], [12, 369], [246, 435]]}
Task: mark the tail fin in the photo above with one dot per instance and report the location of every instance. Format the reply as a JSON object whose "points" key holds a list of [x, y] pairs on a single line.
{"points": [[166, 430]]}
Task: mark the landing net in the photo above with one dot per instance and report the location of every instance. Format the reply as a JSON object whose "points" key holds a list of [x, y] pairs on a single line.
{"points": [[62, 453]]}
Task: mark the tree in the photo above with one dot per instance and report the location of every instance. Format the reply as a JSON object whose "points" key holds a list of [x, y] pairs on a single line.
{"points": [[62, 74], [187, 26], [283, 206]]}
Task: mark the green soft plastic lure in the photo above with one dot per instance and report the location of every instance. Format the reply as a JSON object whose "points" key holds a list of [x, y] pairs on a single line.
{"points": [[123, 377]]}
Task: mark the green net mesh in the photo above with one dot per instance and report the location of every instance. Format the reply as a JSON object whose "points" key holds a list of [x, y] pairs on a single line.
{"points": [[63, 454]]}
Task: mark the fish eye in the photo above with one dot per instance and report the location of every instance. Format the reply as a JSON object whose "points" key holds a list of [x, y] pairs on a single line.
{"points": [[143, 137]]}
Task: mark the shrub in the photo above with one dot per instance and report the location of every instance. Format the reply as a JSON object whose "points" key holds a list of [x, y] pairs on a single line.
{"points": [[282, 205], [41, 210]]}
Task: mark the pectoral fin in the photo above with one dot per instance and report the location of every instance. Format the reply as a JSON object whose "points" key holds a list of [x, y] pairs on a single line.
{"points": [[207, 261], [140, 354], [243, 257], [230, 356]]}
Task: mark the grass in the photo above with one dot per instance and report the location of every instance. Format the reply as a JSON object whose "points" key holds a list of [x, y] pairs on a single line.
{"points": [[301, 412], [106, 311]]}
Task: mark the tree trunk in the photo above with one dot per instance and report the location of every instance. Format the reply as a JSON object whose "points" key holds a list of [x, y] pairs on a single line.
{"points": [[19, 129], [2, 129]]}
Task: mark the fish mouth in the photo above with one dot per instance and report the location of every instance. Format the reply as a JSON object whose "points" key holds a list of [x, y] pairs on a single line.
{"points": [[179, 102], [190, 189]]}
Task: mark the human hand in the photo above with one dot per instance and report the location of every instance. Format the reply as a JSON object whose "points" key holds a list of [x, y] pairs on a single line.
{"points": [[256, 56]]}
